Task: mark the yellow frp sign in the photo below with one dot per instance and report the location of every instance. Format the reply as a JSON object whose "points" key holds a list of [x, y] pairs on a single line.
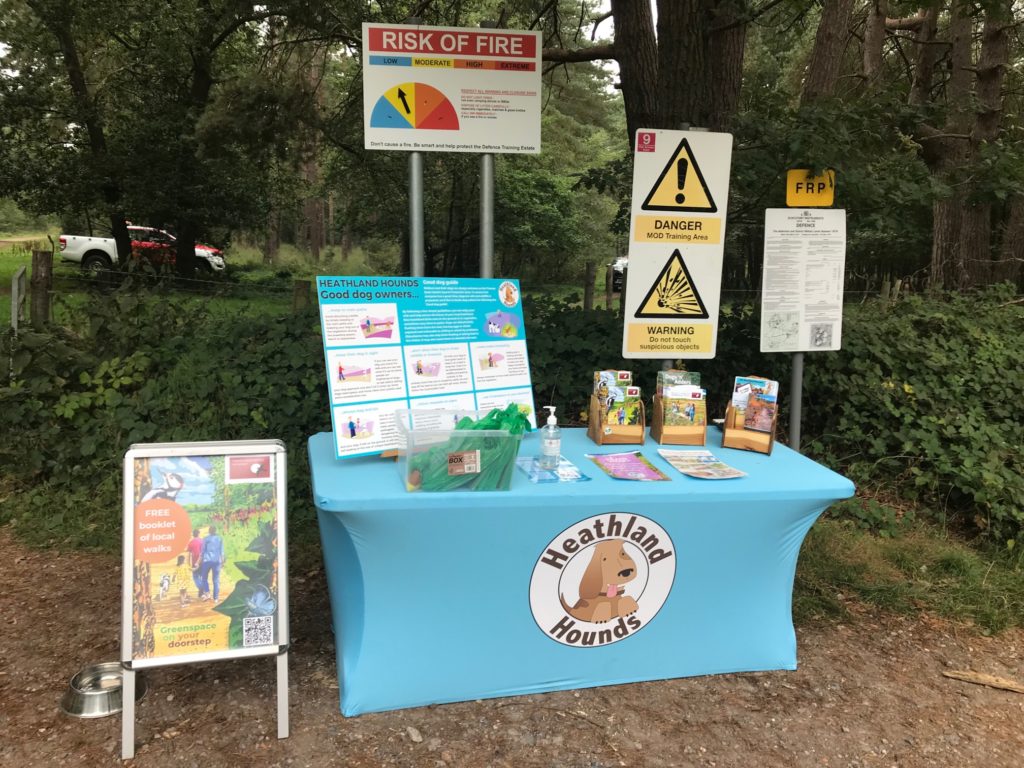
{"points": [[806, 191], [681, 187]]}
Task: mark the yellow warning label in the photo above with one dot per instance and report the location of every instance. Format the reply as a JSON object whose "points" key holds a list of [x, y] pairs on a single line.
{"points": [[806, 191], [673, 229], [681, 186], [670, 338], [673, 294]]}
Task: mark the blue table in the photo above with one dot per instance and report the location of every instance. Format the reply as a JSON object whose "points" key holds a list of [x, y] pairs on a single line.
{"points": [[439, 597]]}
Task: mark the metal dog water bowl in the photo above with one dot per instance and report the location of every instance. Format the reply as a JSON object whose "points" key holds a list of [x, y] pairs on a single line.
{"points": [[96, 691]]}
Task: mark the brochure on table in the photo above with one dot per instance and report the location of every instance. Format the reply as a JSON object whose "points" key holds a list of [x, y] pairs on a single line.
{"points": [[393, 343]]}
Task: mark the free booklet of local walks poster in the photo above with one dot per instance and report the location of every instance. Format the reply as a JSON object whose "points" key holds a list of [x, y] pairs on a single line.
{"points": [[397, 343], [204, 552]]}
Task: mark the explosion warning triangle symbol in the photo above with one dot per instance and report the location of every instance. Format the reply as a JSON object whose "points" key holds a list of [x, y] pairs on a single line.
{"points": [[673, 294], [681, 186]]}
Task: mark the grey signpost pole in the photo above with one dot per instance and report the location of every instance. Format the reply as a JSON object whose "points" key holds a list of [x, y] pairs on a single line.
{"points": [[487, 200], [416, 260], [487, 215], [796, 394]]}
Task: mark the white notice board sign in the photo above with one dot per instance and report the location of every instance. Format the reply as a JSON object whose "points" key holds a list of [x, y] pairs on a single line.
{"points": [[676, 241], [802, 283], [205, 566], [448, 89], [419, 343]]}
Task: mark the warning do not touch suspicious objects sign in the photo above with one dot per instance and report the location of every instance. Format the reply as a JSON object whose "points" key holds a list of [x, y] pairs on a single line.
{"points": [[676, 240]]}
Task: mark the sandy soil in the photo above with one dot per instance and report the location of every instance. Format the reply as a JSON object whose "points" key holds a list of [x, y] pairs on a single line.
{"points": [[868, 693]]}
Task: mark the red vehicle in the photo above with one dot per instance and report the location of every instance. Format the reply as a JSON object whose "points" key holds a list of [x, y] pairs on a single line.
{"points": [[149, 245]]}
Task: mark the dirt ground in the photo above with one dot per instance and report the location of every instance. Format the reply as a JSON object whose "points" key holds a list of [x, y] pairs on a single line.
{"points": [[868, 693]]}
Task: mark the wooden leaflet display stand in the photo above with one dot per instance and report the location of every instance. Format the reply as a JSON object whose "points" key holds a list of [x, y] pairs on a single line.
{"points": [[674, 434], [614, 434], [735, 435]]}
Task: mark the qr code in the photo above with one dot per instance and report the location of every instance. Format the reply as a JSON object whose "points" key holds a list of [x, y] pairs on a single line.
{"points": [[257, 630], [821, 335]]}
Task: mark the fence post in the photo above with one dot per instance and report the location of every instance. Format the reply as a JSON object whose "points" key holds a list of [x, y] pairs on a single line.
{"points": [[300, 294], [40, 287], [588, 286]]}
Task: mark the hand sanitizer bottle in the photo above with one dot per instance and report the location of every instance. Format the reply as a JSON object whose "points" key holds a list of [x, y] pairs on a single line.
{"points": [[550, 442]]}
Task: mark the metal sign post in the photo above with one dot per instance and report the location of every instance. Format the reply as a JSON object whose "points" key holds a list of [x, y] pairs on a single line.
{"points": [[416, 239], [487, 215]]}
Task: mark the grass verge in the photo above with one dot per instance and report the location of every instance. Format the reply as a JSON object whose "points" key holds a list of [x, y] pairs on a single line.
{"points": [[921, 569]]}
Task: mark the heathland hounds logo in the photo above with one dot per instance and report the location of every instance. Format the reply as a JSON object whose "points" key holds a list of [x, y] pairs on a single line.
{"points": [[602, 579]]}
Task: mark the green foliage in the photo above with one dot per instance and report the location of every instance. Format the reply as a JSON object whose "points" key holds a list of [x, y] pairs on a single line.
{"points": [[917, 402], [169, 372], [872, 515], [256, 594]]}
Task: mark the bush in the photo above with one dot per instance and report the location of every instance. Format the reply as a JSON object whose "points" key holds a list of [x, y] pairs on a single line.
{"points": [[920, 402], [148, 369], [915, 404]]}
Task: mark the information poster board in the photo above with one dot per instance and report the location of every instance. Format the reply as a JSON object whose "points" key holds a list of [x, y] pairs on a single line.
{"points": [[676, 242], [448, 89], [802, 281], [205, 574], [395, 343]]}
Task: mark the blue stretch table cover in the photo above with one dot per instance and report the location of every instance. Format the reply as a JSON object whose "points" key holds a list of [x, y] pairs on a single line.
{"points": [[440, 597]]}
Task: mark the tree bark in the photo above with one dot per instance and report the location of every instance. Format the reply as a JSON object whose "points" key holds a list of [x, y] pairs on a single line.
{"points": [[637, 52], [272, 245], [874, 42], [948, 154], [927, 55], [1010, 265], [683, 93], [827, 53], [60, 26], [976, 235], [728, 44], [589, 276]]}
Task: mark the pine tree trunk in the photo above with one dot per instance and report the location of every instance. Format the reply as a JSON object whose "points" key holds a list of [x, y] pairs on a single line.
{"points": [[636, 50], [874, 40], [827, 54], [1010, 265], [684, 93], [728, 44]]}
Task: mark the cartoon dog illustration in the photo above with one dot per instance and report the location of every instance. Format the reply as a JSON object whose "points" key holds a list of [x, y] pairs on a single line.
{"points": [[602, 594]]}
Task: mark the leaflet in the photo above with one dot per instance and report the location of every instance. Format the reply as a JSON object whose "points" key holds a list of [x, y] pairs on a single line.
{"points": [[627, 466], [700, 464], [567, 472]]}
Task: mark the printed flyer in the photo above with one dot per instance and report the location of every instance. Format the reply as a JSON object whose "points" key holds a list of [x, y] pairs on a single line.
{"points": [[703, 465], [202, 548], [397, 343], [627, 466], [566, 472]]}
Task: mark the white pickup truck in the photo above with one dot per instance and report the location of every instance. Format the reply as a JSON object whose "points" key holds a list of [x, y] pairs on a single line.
{"points": [[149, 245]]}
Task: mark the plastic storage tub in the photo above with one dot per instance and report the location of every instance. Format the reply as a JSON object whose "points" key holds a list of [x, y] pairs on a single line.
{"points": [[437, 456]]}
